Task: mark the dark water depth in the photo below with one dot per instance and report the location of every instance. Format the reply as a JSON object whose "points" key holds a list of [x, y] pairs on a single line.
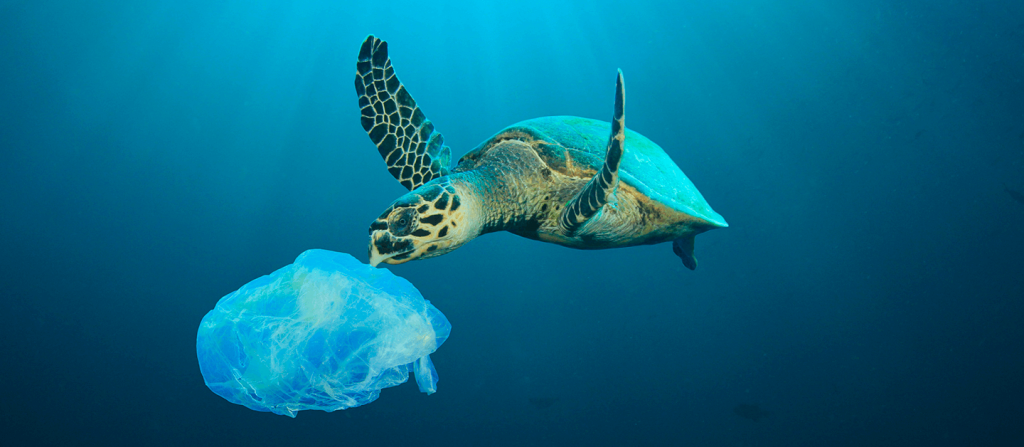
{"points": [[868, 156]]}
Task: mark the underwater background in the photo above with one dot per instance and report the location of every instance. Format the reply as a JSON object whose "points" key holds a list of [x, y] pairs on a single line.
{"points": [[868, 156]]}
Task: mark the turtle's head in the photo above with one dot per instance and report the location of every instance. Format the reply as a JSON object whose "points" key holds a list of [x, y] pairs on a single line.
{"points": [[429, 221]]}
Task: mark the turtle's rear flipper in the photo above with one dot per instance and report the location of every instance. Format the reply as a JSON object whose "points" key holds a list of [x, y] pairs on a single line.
{"points": [[683, 247], [414, 152], [600, 188]]}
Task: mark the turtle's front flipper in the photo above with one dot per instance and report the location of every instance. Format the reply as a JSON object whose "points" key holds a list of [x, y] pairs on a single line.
{"points": [[599, 189], [414, 152]]}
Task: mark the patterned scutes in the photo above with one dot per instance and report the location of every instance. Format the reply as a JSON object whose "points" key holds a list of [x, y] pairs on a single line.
{"points": [[414, 152]]}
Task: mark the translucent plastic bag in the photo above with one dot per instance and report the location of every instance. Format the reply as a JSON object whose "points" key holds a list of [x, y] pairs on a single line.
{"points": [[324, 333]]}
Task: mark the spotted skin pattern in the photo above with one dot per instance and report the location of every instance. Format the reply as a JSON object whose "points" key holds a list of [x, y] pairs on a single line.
{"points": [[419, 223], [414, 152], [599, 190]]}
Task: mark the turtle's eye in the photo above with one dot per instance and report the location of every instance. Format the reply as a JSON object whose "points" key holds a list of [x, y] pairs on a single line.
{"points": [[402, 221]]}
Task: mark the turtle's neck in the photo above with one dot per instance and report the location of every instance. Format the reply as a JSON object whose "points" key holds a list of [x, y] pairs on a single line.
{"points": [[498, 198]]}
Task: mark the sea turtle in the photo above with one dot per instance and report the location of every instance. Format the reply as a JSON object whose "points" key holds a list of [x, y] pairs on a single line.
{"points": [[576, 182]]}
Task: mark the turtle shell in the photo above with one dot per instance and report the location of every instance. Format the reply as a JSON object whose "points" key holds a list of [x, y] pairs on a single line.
{"points": [[566, 142]]}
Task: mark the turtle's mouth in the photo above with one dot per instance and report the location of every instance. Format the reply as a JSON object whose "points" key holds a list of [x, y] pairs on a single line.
{"points": [[389, 250], [389, 258]]}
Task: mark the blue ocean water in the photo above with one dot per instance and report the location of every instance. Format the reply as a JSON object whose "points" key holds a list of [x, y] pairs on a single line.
{"points": [[868, 156]]}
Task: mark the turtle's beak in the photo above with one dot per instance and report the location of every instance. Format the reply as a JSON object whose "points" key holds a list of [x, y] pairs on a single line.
{"points": [[375, 257], [384, 247]]}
